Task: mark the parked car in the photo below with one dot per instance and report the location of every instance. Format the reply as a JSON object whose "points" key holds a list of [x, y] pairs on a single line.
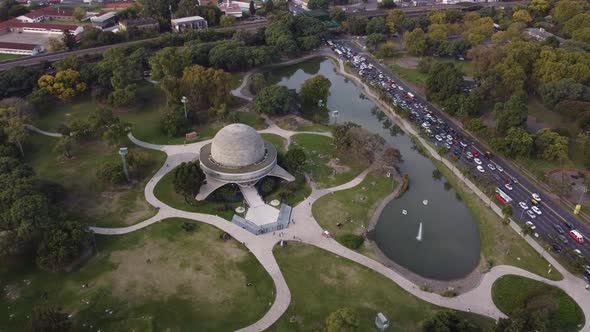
{"points": [[491, 167], [563, 239], [508, 186], [536, 210], [480, 169], [523, 205], [499, 168], [530, 223], [559, 229], [477, 161], [556, 247], [531, 214], [536, 197]]}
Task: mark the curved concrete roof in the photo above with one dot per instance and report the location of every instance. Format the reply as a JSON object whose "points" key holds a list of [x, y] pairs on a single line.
{"points": [[237, 145]]}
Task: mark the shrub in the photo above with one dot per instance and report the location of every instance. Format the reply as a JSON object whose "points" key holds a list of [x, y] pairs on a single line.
{"points": [[351, 241], [449, 292]]}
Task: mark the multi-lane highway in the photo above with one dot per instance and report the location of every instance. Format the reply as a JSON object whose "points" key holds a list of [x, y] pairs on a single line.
{"points": [[460, 143]]}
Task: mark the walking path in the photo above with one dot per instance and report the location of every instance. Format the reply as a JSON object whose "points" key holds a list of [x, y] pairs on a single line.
{"points": [[307, 230], [42, 132]]}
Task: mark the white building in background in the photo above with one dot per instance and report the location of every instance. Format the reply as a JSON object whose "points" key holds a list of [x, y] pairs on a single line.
{"points": [[188, 23], [20, 49]]}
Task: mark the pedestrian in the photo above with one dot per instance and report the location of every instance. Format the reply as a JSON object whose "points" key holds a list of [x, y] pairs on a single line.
{"points": [[273, 233]]}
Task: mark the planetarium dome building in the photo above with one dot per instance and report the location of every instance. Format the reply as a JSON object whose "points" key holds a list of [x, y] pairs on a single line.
{"points": [[238, 154]]}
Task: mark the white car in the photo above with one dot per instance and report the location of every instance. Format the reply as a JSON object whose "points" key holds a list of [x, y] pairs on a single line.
{"points": [[499, 168], [531, 214], [536, 209], [523, 205], [530, 223], [480, 169], [508, 186], [536, 197], [491, 167], [477, 161], [438, 138]]}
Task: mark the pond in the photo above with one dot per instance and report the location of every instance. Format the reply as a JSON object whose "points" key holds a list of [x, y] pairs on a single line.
{"points": [[450, 244]]}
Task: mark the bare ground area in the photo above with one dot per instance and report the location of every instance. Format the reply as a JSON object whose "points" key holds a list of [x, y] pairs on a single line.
{"points": [[291, 122]]}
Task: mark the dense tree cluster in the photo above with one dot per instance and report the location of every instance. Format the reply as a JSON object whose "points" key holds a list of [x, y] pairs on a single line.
{"points": [[188, 178], [290, 34]]}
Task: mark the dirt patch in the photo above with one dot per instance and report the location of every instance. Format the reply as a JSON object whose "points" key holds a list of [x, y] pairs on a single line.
{"points": [[292, 122], [408, 62], [534, 124], [575, 179], [11, 292], [338, 168], [162, 268]]}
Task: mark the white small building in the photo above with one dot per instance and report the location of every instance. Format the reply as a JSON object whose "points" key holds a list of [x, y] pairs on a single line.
{"points": [[188, 23], [20, 49], [104, 21]]}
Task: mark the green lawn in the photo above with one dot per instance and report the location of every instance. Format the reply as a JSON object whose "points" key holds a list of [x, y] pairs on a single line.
{"points": [[276, 140], [99, 204], [513, 292], [164, 191], [354, 207], [409, 75], [320, 150], [10, 56], [321, 283], [194, 282], [499, 243]]}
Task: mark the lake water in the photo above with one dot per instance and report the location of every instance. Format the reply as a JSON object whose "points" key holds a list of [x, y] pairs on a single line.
{"points": [[450, 243]]}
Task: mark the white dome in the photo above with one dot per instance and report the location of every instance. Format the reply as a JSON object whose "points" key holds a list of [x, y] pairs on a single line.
{"points": [[237, 145]]}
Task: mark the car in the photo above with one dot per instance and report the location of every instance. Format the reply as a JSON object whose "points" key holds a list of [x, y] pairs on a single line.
{"points": [[438, 138], [569, 224], [514, 180], [480, 169], [469, 154], [534, 202], [558, 229], [463, 144], [531, 214], [556, 247], [475, 153], [508, 186], [499, 168], [449, 137], [530, 223], [587, 268], [491, 167], [563, 239], [477, 161], [536, 210], [536, 197], [523, 205], [578, 252]]}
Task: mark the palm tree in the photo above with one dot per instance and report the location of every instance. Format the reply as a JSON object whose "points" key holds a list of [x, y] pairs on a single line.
{"points": [[527, 229]]}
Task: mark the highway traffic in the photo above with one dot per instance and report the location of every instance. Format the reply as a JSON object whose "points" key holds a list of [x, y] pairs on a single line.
{"points": [[552, 223]]}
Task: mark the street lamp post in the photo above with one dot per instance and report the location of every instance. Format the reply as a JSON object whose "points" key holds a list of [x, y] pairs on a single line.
{"points": [[184, 100]]}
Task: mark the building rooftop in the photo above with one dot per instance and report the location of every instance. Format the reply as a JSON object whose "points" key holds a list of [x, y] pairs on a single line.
{"points": [[18, 46], [103, 17], [14, 23], [237, 145], [187, 19], [48, 11]]}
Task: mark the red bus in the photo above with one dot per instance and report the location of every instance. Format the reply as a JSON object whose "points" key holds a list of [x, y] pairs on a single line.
{"points": [[577, 236]]}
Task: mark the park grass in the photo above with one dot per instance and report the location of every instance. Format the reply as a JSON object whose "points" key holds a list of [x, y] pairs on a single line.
{"points": [[409, 75], [194, 282], [87, 196], [319, 150], [9, 56], [513, 292], [347, 208], [321, 283], [277, 141], [236, 79], [499, 243], [164, 191]]}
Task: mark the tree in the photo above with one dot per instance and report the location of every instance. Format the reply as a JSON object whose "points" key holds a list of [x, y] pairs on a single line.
{"points": [[79, 13], [315, 89], [386, 4], [274, 100], [173, 121], [395, 19], [444, 80], [507, 210], [564, 10], [294, 160], [358, 25], [519, 143], [65, 145], [337, 14], [549, 145], [48, 319], [188, 178], [580, 21], [268, 6], [447, 321], [252, 9], [205, 87], [511, 114], [438, 32], [61, 245], [64, 85], [111, 172], [267, 185], [342, 320], [257, 82], [123, 97], [317, 4], [415, 42], [374, 40], [539, 7], [169, 62], [566, 89], [376, 25], [54, 44], [227, 21], [522, 16], [12, 122], [69, 40]]}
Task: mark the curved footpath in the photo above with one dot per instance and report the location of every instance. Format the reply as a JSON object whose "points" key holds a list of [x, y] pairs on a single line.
{"points": [[307, 230]]}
